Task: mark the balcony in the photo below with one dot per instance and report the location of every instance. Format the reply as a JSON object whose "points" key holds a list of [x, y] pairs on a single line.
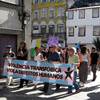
{"points": [[51, 17], [60, 17], [46, 35], [43, 18], [35, 18]]}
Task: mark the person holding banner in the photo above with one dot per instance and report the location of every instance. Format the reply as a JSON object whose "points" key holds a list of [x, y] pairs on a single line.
{"points": [[73, 59], [54, 57], [22, 55], [37, 58], [9, 55]]}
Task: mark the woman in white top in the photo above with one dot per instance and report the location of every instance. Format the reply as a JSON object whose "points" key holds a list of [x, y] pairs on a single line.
{"points": [[84, 65], [37, 58]]}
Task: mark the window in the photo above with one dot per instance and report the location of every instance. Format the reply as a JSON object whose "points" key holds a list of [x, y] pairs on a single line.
{"points": [[95, 13], [60, 28], [71, 31], [43, 1], [43, 14], [70, 14], [81, 31], [60, 13], [51, 1], [43, 29], [96, 30], [36, 1], [51, 29], [51, 14], [35, 29], [81, 14], [35, 15]]}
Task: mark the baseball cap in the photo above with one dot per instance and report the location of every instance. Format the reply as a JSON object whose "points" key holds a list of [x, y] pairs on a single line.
{"points": [[9, 46]]}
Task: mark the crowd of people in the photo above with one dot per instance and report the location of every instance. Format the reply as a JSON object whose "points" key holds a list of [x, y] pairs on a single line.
{"points": [[85, 61]]}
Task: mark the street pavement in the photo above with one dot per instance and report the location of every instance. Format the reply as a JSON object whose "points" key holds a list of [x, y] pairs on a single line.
{"points": [[91, 91]]}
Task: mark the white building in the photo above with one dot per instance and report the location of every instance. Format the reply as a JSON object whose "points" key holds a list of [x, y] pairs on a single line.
{"points": [[82, 25]]}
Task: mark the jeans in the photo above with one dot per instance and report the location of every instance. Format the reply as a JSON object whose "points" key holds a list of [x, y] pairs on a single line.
{"points": [[89, 70], [70, 88]]}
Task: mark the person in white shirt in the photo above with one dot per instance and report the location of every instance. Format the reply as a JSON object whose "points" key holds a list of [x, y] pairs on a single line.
{"points": [[84, 65], [37, 58]]}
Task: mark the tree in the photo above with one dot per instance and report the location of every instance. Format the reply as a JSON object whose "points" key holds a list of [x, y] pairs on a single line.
{"points": [[96, 42]]}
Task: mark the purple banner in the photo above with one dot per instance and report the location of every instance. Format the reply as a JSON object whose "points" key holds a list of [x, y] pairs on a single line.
{"points": [[53, 40]]}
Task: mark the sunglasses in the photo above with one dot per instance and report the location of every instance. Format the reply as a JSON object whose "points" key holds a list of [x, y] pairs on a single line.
{"points": [[52, 47], [8, 48]]}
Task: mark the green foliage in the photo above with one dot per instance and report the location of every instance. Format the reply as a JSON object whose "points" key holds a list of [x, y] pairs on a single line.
{"points": [[96, 42]]}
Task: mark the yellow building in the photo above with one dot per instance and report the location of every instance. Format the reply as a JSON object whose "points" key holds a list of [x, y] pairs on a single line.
{"points": [[49, 18]]}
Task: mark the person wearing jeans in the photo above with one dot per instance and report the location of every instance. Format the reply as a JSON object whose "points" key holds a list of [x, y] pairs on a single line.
{"points": [[74, 83], [73, 59]]}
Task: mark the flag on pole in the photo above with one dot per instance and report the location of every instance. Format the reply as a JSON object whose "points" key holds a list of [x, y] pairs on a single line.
{"points": [[78, 45], [35, 43]]}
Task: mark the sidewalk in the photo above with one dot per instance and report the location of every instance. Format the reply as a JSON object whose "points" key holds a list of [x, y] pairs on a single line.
{"points": [[91, 91]]}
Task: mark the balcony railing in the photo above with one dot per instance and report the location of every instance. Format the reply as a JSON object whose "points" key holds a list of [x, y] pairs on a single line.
{"points": [[35, 18], [51, 17], [61, 17], [46, 35], [60, 0], [43, 18]]}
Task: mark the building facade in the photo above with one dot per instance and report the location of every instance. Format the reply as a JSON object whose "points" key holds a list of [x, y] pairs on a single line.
{"points": [[49, 18], [11, 26], [83, 24]]}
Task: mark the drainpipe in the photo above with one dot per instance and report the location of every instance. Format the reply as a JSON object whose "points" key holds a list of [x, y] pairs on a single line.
{"points": [[23, 25]]}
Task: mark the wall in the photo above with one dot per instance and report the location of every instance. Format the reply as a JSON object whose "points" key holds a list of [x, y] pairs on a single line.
{"points": [[11, 1], [9, 18], [28, 27], [88, 22]]}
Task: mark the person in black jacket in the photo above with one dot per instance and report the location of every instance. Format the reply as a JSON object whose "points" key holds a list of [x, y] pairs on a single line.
{"points": [[9, 55], [22, 55]]}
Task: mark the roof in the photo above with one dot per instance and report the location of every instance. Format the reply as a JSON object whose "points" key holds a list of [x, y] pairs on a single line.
{"points": [[81, 3], [90, 7]]}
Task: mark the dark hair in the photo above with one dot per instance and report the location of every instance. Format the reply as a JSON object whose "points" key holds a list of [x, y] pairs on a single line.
{"points": [[66, 45], [93, 48], [25, 46], [36, 48], [42, 46], [77, 49], [83, 50]]}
